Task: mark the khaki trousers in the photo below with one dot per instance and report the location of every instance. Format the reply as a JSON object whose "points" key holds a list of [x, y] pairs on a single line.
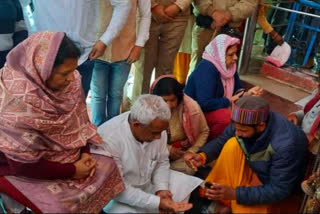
{"points": [[159, 54], [200, 39]]}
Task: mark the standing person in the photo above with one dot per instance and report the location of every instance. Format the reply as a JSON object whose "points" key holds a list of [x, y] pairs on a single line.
{"points": [[79, 20], [111, 71], [188, 129], [12, 25], [228, 12], [138, 142], [168, 24]]}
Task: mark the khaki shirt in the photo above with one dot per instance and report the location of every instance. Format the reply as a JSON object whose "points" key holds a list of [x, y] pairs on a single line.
{"points": [[239, 9]]}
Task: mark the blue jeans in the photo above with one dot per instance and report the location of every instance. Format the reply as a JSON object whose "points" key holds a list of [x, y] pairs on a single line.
{"points": [[85, 69], [108, 80]]}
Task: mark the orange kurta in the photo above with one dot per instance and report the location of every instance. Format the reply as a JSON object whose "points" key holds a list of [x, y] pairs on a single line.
{"points": [[231, 169]]}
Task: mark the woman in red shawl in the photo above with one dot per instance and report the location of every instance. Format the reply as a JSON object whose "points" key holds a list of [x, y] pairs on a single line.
{"points": [[45, 131]]}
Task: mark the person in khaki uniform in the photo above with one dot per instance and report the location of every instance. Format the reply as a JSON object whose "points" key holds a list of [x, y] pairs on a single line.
{"points": [[231, 12], [169, 21]]}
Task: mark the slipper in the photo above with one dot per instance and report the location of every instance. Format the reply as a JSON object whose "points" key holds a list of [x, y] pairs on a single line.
{"points": [[307, 189]]}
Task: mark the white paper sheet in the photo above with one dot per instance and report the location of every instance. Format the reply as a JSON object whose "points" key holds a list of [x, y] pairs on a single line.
{"points": [[181, 185]]}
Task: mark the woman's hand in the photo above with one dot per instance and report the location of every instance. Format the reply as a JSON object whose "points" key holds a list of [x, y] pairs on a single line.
{"points": [[176, 153], [236, 97], [255, 91], [85, 166]]}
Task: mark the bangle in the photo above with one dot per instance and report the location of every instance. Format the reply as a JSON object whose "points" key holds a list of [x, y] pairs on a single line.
{"points": [[204, 157]]}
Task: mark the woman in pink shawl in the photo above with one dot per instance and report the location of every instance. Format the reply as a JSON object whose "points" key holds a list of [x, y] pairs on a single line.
{"points": [[45, 131], [215, 84], [188, 129]]}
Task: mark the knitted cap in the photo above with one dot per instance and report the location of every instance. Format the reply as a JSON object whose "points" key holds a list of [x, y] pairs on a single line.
{"points": [[250, 110]]}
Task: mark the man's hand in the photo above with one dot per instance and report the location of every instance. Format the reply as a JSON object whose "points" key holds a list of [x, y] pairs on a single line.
{"points": [[168, 205], [172, 10], [220, 18], [164, 194], [85, 166], [160, 15], [176, 153], [134, 54], [194, 161], [220, 192], [292, 117], [98, 50]]}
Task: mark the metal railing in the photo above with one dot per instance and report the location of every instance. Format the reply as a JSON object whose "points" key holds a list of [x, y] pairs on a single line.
{"points": [[250, 28]]}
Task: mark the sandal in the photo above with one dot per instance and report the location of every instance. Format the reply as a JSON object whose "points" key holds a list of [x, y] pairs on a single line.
{"points": [[310, 185]]}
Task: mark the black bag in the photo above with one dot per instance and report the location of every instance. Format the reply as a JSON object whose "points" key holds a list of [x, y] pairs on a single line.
{"points": [[206, 21]]}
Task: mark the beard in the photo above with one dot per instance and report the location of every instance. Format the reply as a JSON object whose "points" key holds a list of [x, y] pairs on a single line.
{"points": [[252, 138]]}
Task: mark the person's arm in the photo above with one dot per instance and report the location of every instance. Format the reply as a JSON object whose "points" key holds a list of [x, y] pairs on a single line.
{"points": [[205, 89], [242, 10], [43, 169], [131, 195], [145, 21], [183, 4], [284, 173], [121, 9], [203, 136], [213, 148], [205, 7], [160, 177]]}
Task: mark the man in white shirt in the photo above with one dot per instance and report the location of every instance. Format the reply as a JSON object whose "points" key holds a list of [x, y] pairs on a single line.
{"points": [[111, 71], [79, 20], [138, 142]]}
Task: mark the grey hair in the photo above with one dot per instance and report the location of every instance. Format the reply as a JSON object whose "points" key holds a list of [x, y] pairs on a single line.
{"points": [[149, 107]]}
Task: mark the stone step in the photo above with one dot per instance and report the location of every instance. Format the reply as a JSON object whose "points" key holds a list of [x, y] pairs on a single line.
{"points": [[295, 77], [282, 97]]}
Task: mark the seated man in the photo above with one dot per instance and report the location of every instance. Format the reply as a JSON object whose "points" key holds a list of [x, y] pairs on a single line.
{"points": [[138, 142], [308, 119], [260, 159]]}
